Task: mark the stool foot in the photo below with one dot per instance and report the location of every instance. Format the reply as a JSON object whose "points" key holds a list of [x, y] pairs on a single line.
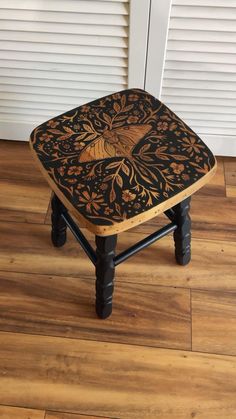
{"points": [[105, 271], [58, 233], [182, 235]]}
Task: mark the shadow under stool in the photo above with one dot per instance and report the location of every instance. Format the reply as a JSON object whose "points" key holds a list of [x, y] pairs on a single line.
{"points": [[115, 163]]}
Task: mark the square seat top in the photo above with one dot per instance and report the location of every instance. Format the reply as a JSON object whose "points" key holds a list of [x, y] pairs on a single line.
{"points": [[121, 160]]}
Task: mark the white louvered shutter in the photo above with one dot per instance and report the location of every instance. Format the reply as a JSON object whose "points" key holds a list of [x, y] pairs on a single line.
{"points": [[56, 55], [199, 80]]}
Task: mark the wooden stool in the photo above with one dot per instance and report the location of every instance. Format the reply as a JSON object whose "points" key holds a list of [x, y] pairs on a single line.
{"points": [[115, 163]]}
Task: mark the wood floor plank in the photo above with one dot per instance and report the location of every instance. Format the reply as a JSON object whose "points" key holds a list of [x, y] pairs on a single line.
{"points": [[58, 306], [58, 415], [231, 191], [122, 381], [214, 322], [27, 248], [23, 201], [17, 162], [230, 171], [10, 412]]}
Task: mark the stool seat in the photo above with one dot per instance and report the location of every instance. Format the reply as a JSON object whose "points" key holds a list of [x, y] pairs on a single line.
{"points": [[121, 160]]}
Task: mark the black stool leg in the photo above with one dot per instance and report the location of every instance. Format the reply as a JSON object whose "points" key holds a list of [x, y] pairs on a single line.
{"points": [[105, 271], [182, 235], [58, 233]]}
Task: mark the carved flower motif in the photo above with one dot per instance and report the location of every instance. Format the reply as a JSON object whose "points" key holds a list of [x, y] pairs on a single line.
{"points": [[108, 211], [190, 145], [91, 201], [162, 126], [128, 196], [177, 168], [75, 170], [185, 176]]}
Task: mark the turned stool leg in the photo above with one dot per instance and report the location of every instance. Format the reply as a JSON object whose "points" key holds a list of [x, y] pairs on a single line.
{"points": [[105, 271], [58, 233], [182, 235]]}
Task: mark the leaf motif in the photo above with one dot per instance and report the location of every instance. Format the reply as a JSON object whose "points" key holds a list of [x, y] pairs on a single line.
{"points": [[107, 118], [145, 148], [179, 157], [162, 157], [56, 131], [128, 108], [120, 117], [88, 128], [116, 107], [147, 158], [119, 181], [112, 195], [161, 149], [107, 178], [67, 129], [113, 165], [126, 169], [123, 101], [64, 137]]}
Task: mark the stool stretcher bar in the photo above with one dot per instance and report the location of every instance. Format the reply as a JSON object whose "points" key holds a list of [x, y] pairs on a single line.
{"points": [[144, 243], [80, 237], [126, 253]]}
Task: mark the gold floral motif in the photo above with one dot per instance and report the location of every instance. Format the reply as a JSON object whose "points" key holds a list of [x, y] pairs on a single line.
{"points": [[120, 155]]}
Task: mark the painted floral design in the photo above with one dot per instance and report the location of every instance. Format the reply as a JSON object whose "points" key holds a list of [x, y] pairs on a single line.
{"points": [[120, 155]]}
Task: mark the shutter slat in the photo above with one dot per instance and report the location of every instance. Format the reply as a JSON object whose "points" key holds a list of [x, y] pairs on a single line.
{"points": [[63, 67], [202, 35], [95, 29], [52, 91], [204, 12], [56, 55], [60, 58], [198, 93], [99, 7], [60, 17], [199, 80], [59, 84], [195, 100], [202, 24], [63, 38], [200, 84], [216, 3], [200, 75], [62, 76], [64, 49]]}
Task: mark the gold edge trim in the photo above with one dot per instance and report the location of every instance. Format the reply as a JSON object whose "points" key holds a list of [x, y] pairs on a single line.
{"points": [[131, 222]]}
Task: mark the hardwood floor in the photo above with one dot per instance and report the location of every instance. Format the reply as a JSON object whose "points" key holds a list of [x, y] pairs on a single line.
{"points": [[169, 349]]}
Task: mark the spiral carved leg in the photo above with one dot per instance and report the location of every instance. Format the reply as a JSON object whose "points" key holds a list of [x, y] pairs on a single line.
{"points": [[182, 235], [58, 233], [105, 271]]}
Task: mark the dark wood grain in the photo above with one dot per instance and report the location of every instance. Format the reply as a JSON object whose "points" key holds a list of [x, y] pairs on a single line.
{"points": [[11, 412], [17, 162], [23, 201], [121, 381], [214, 322], [27, 248], [59, 415], [62, 306]]}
